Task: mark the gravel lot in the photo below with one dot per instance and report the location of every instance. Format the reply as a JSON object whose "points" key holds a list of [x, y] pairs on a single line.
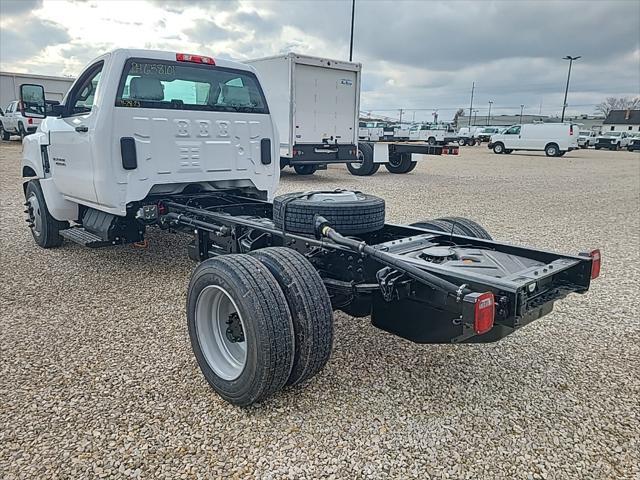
{"points": [[97, 377]]}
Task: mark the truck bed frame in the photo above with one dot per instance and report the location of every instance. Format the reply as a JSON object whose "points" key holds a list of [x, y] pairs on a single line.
{"points": [[384, 273]]}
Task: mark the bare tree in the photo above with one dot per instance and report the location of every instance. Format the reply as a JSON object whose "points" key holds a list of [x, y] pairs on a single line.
{"points": [[459, 113], [614, 103]]}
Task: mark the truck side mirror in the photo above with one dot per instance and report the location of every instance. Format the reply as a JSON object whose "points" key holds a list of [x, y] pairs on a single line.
{"points": [[32, 101]]}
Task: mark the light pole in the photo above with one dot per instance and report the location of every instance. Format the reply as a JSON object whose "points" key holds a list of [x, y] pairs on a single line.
{"points": [[566, 90], [521, 110], [473, 87], [353, 16], [489, 116]]}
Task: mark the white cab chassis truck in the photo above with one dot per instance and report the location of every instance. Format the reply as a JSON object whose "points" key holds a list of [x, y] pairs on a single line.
{"points": [[180, 142]]}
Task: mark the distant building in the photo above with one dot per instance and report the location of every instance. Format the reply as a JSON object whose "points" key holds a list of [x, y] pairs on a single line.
{"points": [[55, 88], [622, 121]]}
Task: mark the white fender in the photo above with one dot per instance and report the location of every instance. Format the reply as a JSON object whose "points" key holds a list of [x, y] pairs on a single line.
{"points": [[59, 208]]}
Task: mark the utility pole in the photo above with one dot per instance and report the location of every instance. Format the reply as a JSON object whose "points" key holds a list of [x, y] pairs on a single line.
{"points": [[521, 110], [473, 87], [489, 116], [400, 115], [353, 16], [566, 90]]}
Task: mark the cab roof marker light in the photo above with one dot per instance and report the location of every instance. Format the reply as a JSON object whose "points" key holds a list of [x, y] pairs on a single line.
{"points": [[186, 57]]}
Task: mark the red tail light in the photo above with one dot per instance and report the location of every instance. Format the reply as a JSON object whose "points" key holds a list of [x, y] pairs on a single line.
{"points": [[186, 57], [596, 261], [484, 313], [570, 129], [30, 121]]}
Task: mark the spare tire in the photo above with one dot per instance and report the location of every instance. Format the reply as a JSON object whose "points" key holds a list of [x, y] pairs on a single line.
{"points": [[348, 212]]}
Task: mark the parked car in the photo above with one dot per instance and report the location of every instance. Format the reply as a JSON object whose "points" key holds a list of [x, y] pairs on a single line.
{"points": [[634, 143], [587, 138], [484, 134], [612, 140], [467, 136], [554, 139], [13, 122]]}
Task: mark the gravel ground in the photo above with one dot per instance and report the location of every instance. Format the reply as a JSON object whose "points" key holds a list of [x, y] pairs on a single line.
{"points": [[97, 377]]}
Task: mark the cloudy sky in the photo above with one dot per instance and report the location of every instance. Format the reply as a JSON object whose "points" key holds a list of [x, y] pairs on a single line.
{"points": [[415, 54]]}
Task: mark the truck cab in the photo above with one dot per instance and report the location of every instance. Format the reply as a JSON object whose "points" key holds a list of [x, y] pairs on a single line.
{"points": [[138, 123]]}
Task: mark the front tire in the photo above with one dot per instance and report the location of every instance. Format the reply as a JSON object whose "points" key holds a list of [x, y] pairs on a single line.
{"points": [[310, 308], [498, 148], [431, 141], [21, 131], [6, 136], [240, 328], [44, 228]]}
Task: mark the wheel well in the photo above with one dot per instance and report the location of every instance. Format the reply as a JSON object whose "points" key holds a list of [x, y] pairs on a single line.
{"points": [[28, 172], [550, 144]]}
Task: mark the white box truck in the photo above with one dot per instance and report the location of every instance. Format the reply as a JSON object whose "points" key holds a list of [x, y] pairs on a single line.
{"points": [[315, 103]]}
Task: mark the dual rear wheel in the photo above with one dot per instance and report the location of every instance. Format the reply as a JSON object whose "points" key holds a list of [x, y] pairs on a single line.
{"points": [[258, 322]]}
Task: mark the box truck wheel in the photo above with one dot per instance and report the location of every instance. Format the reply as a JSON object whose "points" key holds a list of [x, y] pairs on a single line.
{"points": [[431, 140], [305, 169], [365, 166], [310, 308], [462, 142], [400, 163], [551, 150], [44, 228], [455, 225], [240, 328]]}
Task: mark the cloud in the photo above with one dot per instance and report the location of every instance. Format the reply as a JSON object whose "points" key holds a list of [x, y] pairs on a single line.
{"points": [[415, 54], [29, 38], [10, 8], [207, 31]]}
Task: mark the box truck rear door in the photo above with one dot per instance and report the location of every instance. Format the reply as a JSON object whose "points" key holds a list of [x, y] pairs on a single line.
{"points": [[325, 104]]}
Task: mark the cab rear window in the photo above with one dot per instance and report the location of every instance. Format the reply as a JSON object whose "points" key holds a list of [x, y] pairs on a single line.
{"points": [[171, 85]]}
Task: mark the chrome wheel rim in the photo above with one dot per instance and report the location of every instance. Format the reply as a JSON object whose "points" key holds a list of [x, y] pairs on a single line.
{"points": [[220, 331], [34, 215]]}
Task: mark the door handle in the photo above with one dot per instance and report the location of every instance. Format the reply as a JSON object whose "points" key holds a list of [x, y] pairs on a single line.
{"points": [[82, 128]]}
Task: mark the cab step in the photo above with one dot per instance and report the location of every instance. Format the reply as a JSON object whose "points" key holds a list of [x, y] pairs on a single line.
{"points": [[85, 238]]}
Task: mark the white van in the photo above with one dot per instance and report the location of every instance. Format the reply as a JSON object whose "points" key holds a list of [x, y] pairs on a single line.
{"points": [[554, 139]]}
